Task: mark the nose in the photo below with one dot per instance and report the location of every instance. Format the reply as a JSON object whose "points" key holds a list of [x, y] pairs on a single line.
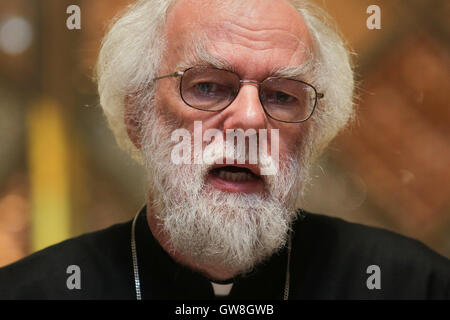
{"points": [[246, 111]]}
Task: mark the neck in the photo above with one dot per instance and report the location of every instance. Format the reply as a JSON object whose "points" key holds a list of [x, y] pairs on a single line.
{"points": [[210, 271]]}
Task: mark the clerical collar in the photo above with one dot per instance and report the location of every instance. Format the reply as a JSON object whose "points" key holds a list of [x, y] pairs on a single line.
{"points": [[221, 290]]}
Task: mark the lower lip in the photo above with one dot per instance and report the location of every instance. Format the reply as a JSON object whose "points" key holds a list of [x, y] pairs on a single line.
{"points": [[251, 186]]}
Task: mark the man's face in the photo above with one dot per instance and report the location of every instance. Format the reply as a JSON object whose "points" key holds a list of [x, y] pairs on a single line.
{"points": [[255, 39], [212, 218]]}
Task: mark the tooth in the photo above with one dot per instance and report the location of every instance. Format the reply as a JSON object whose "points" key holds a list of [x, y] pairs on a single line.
{"points": [[228, 176], [235, 176], [242, 176]]}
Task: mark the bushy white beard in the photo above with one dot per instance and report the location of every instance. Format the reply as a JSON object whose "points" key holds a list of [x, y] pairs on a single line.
{"points": [[234, 231]]}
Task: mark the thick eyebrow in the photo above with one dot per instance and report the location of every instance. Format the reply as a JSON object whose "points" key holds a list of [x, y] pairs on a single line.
{"points": [[298, 72]]}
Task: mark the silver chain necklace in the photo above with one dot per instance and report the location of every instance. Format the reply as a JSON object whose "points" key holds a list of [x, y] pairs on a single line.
{"points": [[137, 281]]}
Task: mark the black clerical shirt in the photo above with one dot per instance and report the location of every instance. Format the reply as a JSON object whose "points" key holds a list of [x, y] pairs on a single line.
{"points": [[331, 259]]}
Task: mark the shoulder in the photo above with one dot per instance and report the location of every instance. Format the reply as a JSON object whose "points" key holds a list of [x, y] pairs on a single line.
{"points": [[351, 251], [44, 274], [355, 237]]}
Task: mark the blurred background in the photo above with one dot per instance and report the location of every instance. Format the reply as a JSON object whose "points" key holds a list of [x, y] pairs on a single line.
{"points": [[61, 173]]}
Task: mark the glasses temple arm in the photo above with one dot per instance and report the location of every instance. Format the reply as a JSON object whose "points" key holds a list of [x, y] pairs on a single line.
{"points": [[174, 74]]}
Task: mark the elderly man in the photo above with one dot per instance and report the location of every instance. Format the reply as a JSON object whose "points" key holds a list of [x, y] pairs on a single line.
{"points": [[177, 79]]}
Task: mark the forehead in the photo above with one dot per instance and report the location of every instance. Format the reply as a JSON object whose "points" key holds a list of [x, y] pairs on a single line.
{"points": [[253, 36]]}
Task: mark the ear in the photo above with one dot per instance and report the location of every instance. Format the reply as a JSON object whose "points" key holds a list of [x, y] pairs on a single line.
{"points": [[132, 124]]}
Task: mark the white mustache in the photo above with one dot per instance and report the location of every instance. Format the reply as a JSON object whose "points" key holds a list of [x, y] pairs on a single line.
{"points": [[225, 152]]}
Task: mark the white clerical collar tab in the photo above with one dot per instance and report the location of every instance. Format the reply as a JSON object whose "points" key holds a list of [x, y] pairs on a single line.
{"points": [[221, 289]]}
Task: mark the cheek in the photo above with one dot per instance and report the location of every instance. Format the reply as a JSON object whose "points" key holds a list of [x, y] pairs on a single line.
{"points": [[292, 138]]}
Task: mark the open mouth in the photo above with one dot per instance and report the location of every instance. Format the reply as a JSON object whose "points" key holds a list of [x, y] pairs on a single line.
{"points": [[236, 178], [235, 174]]}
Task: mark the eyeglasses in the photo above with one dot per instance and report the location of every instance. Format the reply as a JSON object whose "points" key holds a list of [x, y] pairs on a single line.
{"points": [[211, 89]]}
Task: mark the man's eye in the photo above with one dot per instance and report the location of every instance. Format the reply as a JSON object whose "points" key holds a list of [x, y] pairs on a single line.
{"points": [[278, 97], [282, 97], [206, 88]]}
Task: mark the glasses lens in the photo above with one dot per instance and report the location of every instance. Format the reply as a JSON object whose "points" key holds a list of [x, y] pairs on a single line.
{"points": [[288, 100], [208, 88]]}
